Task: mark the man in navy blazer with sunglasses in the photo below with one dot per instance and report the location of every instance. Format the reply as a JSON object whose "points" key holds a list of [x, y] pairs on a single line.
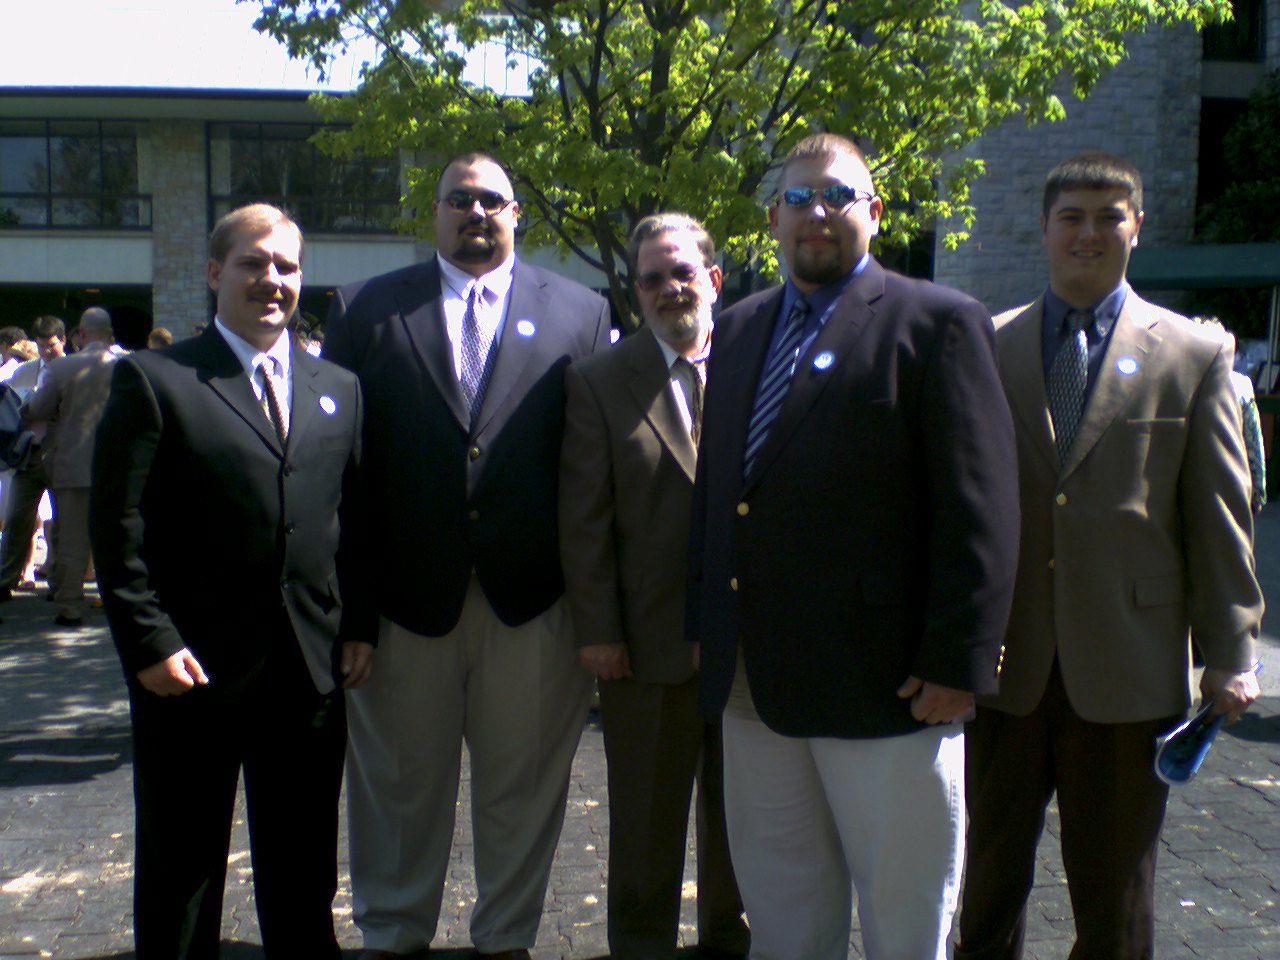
{"points": [[854, 544], [462, 359]]}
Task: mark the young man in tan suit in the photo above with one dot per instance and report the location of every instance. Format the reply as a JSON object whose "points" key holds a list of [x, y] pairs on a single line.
{"points": [[1136, 536]]}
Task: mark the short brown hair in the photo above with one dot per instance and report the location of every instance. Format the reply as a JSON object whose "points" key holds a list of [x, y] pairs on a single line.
{"points": [[659, 223], [255, 219], [824, 146], [1093, 170]]}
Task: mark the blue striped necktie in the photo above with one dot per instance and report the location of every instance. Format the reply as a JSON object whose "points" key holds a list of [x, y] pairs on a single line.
{"points": [[774, 381], [1067, 380]]}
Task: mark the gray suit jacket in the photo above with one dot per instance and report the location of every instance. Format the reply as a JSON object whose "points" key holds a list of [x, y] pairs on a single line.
{"points": [[626, 486], [1144, 536]]}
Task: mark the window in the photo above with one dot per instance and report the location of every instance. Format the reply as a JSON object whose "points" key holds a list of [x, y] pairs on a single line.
{"points": [[277, 163], [1239, 39], [72, 173]]}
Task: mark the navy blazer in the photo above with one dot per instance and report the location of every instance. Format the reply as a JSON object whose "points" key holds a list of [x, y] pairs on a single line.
{"points": [[205, 530], [443, 498], [877, 537]]}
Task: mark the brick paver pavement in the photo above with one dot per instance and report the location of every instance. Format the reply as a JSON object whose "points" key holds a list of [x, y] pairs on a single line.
{"points": [[66, 823]]}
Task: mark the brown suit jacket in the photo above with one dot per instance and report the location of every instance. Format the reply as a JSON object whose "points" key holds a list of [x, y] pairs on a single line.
{"points": [[626, 485], [73, 395], [1144, 536]]}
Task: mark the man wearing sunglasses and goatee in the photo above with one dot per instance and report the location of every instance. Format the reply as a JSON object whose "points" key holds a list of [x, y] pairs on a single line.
{"points": [[854, 540], [463, 359]]}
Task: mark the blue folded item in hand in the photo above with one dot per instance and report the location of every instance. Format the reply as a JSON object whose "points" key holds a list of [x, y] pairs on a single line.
{"points": [[1180, 752]]}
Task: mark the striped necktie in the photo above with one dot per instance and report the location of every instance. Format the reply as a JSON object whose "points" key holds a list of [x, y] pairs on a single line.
{"points": [[1067, 380], [774, 381]]}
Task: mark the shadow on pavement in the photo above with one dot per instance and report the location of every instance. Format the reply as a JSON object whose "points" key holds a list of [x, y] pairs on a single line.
{"points": [[1255, 728], [28, 759]]}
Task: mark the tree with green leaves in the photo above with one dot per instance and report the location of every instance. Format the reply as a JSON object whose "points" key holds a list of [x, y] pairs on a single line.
{"points": [[636, 106]]}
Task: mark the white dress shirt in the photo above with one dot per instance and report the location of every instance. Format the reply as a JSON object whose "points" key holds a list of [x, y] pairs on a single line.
{"points": [[490, 313]]}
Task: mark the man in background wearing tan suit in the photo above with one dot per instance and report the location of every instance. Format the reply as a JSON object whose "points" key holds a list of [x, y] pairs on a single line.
{"points": [[1136, 536], [74, 394], [626, 486]]}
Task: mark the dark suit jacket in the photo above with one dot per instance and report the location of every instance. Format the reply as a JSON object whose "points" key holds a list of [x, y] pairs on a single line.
{"points": [[626, 484], [204, 531], [877, 537], [1144, 535], [443, 498]]}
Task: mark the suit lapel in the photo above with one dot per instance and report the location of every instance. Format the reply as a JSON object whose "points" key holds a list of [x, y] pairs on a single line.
{"points": [[304, 398], [221, 370], [422, 313], [522, 339], [650, 385], [736, 347], [1124, 368], [1022, 371]]}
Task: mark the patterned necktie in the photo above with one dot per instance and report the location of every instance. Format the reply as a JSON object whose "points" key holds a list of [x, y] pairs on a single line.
{"points": [[476, 349], [692, 374], [1067, 379], [271, 400], [774, 381]]}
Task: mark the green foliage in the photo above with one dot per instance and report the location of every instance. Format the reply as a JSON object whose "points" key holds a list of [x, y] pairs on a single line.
{"points": [[637, 106]]}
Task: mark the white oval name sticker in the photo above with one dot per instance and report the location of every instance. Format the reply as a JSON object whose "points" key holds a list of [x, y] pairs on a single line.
{"points": [[526, 328], [1127, 366], [328, 406], [823, 360]]}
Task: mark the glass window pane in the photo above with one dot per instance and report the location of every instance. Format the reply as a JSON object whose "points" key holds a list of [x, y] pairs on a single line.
{"points": [[23, 167], [77, 164], [76, 212], [23, 211]]}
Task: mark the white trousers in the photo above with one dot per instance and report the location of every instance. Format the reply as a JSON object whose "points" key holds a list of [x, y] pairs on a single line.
{"points": [[519, 699], [812, 820]]}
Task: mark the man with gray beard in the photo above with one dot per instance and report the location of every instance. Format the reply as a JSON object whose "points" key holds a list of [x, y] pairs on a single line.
{"points": [[626, 483]]}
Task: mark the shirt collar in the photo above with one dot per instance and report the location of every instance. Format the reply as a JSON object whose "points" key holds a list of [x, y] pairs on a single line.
{"points": [[497, 281], [249, 355], [1105, 312], [824, 298], [671, 355]]}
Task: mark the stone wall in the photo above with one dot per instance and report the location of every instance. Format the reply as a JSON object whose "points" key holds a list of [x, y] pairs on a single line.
{"points": [[180, 224], [1147, 110]]}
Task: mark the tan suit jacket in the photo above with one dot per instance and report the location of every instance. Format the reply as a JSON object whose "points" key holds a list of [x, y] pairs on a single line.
{"points": [[73, 394], [626, 487], [1144, 536]]}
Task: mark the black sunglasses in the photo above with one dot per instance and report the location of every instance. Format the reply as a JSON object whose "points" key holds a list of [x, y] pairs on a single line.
{"points": [[682, 272], [836, 197], [490, 200]]}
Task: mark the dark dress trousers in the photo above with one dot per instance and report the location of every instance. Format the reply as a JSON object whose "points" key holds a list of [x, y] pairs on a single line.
{"points": [[207, 534], [876, 538]]}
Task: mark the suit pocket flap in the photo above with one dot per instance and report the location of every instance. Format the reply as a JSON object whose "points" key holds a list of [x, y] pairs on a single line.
{"points": [[1157, 591]]}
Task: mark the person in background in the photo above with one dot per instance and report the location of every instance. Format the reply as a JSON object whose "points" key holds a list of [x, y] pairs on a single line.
{"points": [[159, 338]]}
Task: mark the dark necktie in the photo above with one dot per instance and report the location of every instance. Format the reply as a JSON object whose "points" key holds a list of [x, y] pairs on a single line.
{"points": [[692, 374], [476, 347], [271, 400], [774, 381], [1067, 379]]}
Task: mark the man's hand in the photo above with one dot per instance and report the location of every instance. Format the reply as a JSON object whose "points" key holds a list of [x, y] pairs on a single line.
{"points": [[608, 661], [934, 703], [173, 676], [356, 663], [1231, 693]]}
